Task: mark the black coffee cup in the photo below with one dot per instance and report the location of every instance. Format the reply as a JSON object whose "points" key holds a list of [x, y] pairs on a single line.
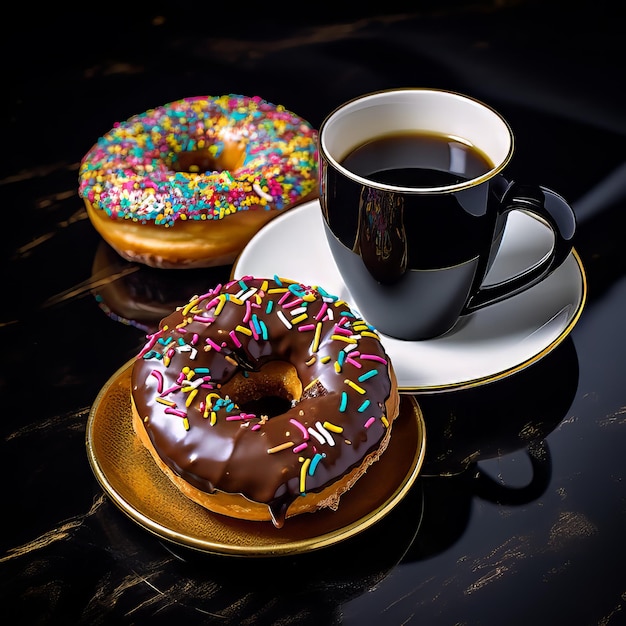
{"points": [[415, 205]]}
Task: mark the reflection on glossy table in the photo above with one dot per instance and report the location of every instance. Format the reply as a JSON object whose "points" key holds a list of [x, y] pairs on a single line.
{"points": [[519, 511]]}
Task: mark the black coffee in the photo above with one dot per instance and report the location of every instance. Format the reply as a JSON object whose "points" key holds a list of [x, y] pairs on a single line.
{"points": [[417, 160]]}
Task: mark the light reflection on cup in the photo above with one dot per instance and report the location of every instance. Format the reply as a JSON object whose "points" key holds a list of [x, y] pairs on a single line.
{"points": [[415, 203]]}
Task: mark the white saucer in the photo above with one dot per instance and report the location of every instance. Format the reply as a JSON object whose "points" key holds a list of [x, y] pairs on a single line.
{"points": [[484, 346]]}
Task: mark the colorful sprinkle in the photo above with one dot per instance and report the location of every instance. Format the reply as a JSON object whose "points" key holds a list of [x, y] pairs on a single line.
{"points": [[130, 173], [191, 366]]}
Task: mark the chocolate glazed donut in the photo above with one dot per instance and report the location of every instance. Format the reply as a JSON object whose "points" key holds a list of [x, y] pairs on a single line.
{"points": [[264, 398]]}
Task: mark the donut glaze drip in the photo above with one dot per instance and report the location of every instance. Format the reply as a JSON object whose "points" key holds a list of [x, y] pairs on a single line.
{"points": [[232, 332], [138, 170]]}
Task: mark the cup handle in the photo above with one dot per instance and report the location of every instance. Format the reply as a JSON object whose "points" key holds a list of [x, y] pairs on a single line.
{"points": [[551, 208]]}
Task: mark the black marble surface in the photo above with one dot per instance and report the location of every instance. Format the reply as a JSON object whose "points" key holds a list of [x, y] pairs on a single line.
{"points": [[519, 514]]}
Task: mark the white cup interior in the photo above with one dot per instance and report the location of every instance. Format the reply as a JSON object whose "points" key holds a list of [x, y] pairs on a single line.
{"points": [[408, 110]]}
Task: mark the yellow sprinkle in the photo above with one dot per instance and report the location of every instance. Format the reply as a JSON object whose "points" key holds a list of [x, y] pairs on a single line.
{"points": [[220, 304], [166, 402], [243, 329], [385, 421], [282, 446], [337, 367], [333, 427], [277, 290], [311, 384], [325, 359], [299, 318], [311, 361], [342, 338], [190, 306], [367, 333], [213, 418], [186, 423], [209, 399], [316, 339], [303, 470], [190, 397], [354, 386], [264, 285]]}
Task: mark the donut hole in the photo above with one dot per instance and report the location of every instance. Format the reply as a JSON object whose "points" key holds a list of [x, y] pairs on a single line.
{"points": [[271, 390], [230, 158]]}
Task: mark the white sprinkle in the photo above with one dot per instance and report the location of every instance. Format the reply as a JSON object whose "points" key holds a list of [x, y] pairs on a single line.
{"points": [[317, 435], [260, 192], [284, 320], [325, 433], [244, 295], [187, 348], [194, 384]]}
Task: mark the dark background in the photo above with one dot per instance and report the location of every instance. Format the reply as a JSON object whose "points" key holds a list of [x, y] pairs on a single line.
{"points": [[548, 550]]}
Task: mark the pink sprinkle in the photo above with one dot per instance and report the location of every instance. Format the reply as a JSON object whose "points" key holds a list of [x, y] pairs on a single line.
{"points": [[213, 344], [149, 345], [301, 427], [212, 303], [246, 317], [255, 427], [301, 447], [342, 331], [353, 362], [175, 412], [373, 357], [369, 422], [284, 297], [210, 293], [171, 390], [304, 327], [235, 339], [194, 339], [294, 302], [203, 319], [159, 378], [321, 312]]}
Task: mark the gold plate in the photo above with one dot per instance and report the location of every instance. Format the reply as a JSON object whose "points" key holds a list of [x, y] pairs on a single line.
{"points": [[128, 474]]}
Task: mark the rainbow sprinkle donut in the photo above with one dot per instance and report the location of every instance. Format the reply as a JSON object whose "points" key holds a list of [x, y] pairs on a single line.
{"points": [[187, 184]]}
